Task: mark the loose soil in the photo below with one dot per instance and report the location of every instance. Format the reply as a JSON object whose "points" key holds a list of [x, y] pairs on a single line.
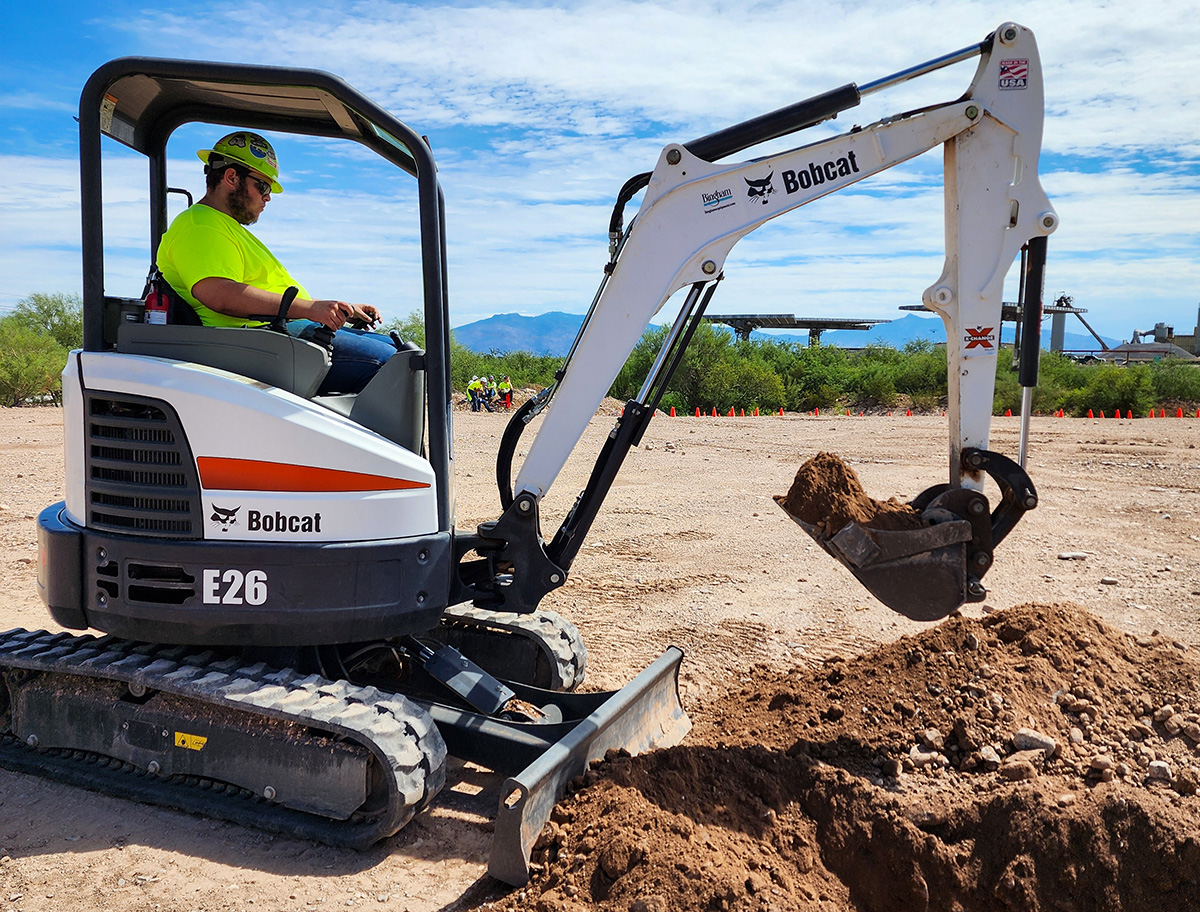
{"points": [[1036, 752], [827, 494], [1034, 759]]}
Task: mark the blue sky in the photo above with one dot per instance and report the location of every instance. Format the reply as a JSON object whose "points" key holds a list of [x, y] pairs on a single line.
{"points": [[538, 112]]}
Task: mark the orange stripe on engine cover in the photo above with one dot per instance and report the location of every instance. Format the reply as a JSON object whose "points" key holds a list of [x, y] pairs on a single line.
{"points": [[225, 474]]}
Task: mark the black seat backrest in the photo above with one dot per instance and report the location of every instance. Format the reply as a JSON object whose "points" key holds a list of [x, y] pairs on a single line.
{"points": [[179, 311]]}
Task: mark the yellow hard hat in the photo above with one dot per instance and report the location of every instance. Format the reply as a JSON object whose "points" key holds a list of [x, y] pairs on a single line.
{"points": [[248, 149]]}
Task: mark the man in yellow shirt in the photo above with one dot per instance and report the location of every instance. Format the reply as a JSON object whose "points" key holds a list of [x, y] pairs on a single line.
{"points": [[229, 276]]}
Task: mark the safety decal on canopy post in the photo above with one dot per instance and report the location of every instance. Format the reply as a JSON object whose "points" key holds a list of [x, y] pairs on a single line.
{"points": [[107, 106]]}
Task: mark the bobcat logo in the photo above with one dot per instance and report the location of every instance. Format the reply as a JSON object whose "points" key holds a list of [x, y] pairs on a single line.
{"points": [[760, 189], [226, 518]]}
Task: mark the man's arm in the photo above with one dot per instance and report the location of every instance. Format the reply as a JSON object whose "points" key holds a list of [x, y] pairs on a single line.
{"points": [[237, 299]]}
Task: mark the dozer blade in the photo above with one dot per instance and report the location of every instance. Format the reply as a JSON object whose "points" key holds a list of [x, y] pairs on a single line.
{"points": [[643, 715], [920, 573]]}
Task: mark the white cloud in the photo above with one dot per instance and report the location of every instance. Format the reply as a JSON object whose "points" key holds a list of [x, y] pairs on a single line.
{"points": [[538, 112]]}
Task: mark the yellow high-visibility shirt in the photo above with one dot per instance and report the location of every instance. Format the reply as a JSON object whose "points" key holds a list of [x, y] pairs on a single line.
{"points": [[203, 243]]}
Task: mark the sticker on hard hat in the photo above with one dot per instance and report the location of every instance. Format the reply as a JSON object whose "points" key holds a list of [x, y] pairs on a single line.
{"points": [[259, 149]]}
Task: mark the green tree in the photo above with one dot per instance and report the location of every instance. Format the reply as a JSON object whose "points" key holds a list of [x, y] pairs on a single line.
{"points": [[58, 315], [410, 328], [31, 363]]}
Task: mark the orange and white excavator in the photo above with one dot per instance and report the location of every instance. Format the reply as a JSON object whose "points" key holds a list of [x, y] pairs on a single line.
{"points": [[295, 634]]}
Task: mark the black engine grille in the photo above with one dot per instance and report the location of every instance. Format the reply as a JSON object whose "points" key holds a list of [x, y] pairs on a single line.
{"points": [[141, 477]]}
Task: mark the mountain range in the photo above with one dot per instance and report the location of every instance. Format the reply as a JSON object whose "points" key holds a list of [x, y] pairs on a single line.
{"points": [[552, 334]]}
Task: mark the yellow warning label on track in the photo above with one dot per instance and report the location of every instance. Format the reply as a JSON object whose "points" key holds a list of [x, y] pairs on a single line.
{"points": [[191, 742]]}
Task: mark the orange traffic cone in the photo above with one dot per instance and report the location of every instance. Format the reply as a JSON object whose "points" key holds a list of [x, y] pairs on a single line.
{"points": [[731, 411], [742, 413], [1179, 413], [697, 411], [756, 411], [1090, 415], [672, 411], [781, 412], [817, 412], [1008, 413], [714, 411], [1128, 413], [908, 413]]}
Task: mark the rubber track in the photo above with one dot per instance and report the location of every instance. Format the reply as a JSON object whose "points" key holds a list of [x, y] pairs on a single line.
{"points": [[558, 638], [402, 737]]}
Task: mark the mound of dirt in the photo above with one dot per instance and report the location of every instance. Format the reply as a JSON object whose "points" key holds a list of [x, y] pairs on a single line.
{"points": [[827, 493], [1036, 759]]}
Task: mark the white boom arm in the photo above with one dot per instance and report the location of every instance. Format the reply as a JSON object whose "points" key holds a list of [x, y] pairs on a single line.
{"points": [[694, 212]]}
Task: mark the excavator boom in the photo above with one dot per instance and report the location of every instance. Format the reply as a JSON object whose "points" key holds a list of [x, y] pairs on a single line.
{"points": [[694, 212]]}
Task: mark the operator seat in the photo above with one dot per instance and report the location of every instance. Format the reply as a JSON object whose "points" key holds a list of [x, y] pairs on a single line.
{"points": [[391, 405]]}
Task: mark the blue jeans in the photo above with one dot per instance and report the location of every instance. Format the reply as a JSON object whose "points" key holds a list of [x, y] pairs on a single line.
{"points": [[357, 355]]}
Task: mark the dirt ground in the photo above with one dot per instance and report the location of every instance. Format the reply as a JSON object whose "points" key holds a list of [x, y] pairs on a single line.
{"points": [[1036, 752]]}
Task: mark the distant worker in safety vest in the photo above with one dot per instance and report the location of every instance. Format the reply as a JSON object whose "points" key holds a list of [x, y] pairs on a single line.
{"points": [[228, 275], [504, 387]]}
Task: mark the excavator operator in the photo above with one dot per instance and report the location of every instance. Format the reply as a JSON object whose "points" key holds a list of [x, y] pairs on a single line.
{"points": [[228, 275]]}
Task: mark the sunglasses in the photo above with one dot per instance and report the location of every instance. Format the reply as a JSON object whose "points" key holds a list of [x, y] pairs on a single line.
{"points": [[264, 187]]}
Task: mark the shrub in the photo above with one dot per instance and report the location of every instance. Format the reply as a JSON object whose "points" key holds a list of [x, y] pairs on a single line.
{"points": [[1176, 381], [31, 363], [1111, 386], [59, 316]]}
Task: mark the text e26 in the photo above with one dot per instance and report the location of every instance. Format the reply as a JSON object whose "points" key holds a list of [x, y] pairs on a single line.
{"points": [[233, 587]]}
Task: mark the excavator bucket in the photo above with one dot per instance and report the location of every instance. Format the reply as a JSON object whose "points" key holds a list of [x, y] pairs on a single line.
{"points": [[920, 573], [931, 561], [644, 714]]}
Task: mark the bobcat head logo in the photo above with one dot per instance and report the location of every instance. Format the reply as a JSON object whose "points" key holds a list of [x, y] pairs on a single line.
{"points": [[760, 189], [226, 518]]}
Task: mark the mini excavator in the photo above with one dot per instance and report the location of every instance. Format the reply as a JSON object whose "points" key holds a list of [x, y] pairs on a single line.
{"points": [[295, 636]]}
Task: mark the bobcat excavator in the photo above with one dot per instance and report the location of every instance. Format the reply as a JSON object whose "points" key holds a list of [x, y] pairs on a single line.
{"points": [[295, 635]]}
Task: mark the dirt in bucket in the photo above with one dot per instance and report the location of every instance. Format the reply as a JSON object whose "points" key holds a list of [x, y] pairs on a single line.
{"points": [[826, 493]]}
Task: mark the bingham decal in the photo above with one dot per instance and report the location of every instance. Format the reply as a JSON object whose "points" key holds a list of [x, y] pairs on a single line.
{"points": [[718, 200]]}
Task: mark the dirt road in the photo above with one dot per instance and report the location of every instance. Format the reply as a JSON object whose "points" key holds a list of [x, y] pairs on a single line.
{"points": [[689, 550]]}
